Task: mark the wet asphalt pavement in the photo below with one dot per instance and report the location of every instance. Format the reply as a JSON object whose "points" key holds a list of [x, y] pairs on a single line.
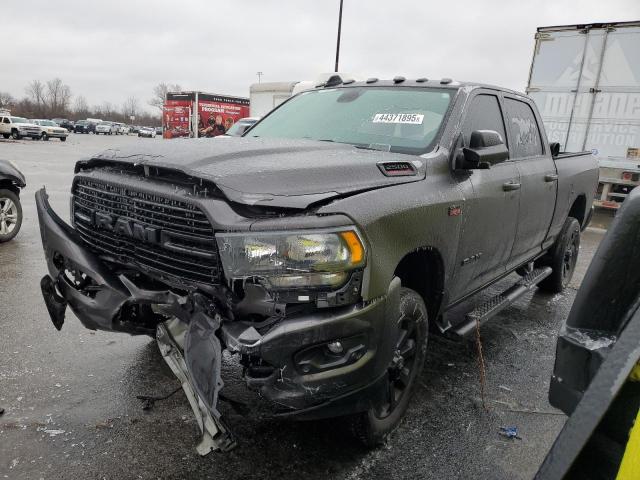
{"points": [[70, 397]]}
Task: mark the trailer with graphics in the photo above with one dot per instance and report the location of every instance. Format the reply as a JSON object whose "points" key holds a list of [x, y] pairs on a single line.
{"points": [[585, 80], [199, 114]]}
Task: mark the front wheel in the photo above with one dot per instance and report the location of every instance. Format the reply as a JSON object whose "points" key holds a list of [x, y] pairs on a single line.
{"points": [[44, 136], [15, 135], [63, 139], [373, 426], [562, 257], [6, 135], [10, 215]]}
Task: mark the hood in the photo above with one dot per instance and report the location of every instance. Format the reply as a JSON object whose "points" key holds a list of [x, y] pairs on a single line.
{"points": [[26, 124], [273, 172]]}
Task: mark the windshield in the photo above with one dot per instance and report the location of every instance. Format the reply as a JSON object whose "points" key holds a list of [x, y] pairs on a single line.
{"points": [[47, 123], [105, 123], [81, 122], [240, 127], [18, 120], [397, 119]]}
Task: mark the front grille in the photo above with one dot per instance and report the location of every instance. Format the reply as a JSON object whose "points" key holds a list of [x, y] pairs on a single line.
{"points": [[184, 245]]}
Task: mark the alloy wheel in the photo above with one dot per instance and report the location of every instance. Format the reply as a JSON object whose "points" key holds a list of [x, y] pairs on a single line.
{"points": [[570, 257], [401, 371], [8, 216]]}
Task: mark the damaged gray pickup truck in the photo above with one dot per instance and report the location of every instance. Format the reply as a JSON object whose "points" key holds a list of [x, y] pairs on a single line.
{"points": [[322, 246]]}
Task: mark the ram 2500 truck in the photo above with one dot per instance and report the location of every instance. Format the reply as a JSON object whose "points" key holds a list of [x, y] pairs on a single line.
{"points": [[322, 246]]}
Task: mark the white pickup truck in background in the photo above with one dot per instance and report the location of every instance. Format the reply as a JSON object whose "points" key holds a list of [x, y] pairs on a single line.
{"points": [[18, 127]]}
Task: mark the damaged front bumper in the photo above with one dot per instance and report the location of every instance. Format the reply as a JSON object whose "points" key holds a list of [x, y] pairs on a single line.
{"points": [[317, 364]]}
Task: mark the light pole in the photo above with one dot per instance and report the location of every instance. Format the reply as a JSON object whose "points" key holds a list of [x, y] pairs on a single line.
{"points": [[339, 31], [259, 76]]}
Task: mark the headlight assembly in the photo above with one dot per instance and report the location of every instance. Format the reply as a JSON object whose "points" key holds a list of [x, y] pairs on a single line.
{"points": [[300, 259]]}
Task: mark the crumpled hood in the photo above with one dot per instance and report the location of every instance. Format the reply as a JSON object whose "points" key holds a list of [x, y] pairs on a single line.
{"points": [[280, 173]]}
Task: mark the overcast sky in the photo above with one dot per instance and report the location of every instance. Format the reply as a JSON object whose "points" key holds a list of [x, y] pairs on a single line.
{"points": [[110, 50]]}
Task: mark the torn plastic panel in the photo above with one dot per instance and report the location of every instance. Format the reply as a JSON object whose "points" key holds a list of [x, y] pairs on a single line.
{"points": [[215, 435]]}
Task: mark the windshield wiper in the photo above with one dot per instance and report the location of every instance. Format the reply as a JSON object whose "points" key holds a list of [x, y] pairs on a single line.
{"points": [[380, 147]]}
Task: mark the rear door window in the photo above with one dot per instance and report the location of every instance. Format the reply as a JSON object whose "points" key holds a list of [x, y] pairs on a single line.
{"points": [[523, 127], [484, 114]]}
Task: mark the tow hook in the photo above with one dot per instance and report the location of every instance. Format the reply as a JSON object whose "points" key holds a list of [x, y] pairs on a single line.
{"points": [[202, 398]]}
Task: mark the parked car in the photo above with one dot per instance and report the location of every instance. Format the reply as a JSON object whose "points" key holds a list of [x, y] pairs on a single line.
{"points": [[241, 126], [64, 123], [11, 181], [134, 128], [123, 129], [106, 128], [50, 129], [147, 132], [84, 126], [18, 127], [158, 130], [337, 242]]}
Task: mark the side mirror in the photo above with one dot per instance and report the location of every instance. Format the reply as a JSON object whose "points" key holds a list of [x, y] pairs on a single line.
{"points": [[486, 148], [555, 149]]}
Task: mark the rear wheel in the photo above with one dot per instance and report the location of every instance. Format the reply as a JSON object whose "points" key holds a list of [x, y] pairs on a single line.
{"points": [[6, 135], [562, 257], [373, 426], [10, 215]]}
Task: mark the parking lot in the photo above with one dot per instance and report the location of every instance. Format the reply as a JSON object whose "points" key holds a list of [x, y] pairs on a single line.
{"points": [[70, 397]]}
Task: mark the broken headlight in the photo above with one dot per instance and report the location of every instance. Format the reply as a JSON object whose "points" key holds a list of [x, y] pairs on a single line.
{"points": [[299, 259]]}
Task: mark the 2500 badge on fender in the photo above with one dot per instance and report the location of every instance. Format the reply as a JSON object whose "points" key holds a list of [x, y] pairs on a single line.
{"points": [[319, 254]]}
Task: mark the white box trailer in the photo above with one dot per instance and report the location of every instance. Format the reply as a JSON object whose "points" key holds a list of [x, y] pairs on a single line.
{"points": [[585, 80], [264, 97]]}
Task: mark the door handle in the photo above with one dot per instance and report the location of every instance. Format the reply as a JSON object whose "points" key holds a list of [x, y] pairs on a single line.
{"points": [[551, 177], [509, 186]]}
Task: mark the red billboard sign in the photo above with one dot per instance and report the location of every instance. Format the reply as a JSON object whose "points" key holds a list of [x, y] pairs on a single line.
{"points": [[216, 114]]}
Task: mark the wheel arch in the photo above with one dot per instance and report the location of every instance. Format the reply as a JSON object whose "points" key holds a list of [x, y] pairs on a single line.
{"points": [[423, 270], [578, 209], [6, 184]]}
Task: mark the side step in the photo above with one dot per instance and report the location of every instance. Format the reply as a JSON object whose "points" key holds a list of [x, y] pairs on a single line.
{"points": [[494, 305]]}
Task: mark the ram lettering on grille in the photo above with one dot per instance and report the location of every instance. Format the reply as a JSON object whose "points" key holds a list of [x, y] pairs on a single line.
{"points": [[162, 236]]}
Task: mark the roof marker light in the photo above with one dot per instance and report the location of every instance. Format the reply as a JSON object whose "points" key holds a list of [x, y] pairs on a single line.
{"points": [[445, 81], [398, 79], [372, 80]]}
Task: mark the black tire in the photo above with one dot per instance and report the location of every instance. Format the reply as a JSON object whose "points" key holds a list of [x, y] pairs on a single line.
{"points": [[6, 135], [63, 139], [373, 426], [562, 257], [15, 135], [44, 136], [13, 224]]}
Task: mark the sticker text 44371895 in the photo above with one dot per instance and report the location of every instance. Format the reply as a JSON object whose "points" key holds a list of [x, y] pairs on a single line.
{"points": [[411, 118]]}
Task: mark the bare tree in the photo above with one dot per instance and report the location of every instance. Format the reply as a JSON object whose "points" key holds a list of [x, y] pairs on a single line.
{"points": [[81, 107], [130, 108], [160, 93], [6, 100], [58, 96], [36, 94], [107, 111]]}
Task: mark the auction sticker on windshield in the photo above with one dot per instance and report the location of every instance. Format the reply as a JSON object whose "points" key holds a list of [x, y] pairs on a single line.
{"points": [[411, 118]]}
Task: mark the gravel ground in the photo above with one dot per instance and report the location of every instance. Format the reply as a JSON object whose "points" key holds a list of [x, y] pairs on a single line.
{"points": [[71, 411]]}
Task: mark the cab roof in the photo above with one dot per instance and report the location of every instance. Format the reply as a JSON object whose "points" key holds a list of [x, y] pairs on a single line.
{"points": [[399, 81]]}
